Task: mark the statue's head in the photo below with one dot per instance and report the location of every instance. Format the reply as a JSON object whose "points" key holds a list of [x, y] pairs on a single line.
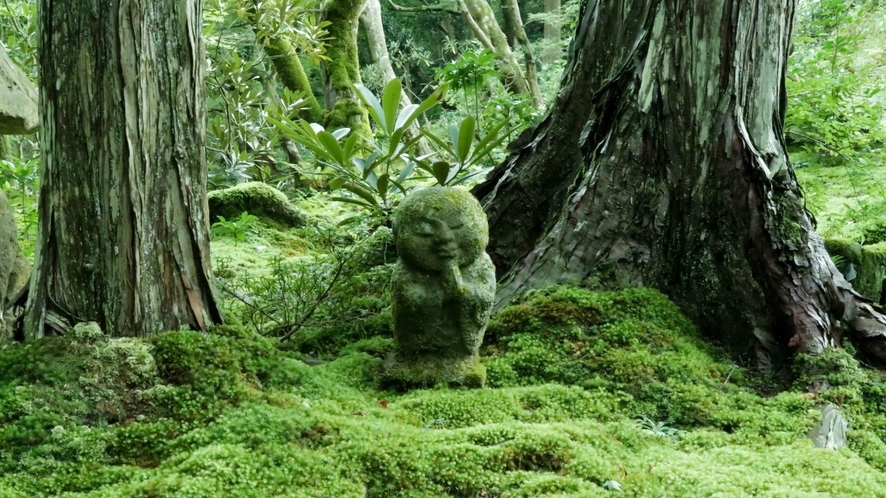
{"points": [[438, 226]]}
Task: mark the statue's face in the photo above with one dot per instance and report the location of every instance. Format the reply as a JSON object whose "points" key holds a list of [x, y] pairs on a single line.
{"points": [[434, 235]]}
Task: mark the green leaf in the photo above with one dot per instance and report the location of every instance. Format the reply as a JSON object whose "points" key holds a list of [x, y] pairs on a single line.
{"points": [[407, 170], [469, 176], [337, 183], [465, 138], [352, 201], [382, 185], [362, 192], [406, 116], [373, 106], [439, 141], [331, 145], [390, 103], [350, 144], [441, 171], [340, 133]]}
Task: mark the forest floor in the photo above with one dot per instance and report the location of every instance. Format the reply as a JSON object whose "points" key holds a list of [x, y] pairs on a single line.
{"points": [[589, 394]]}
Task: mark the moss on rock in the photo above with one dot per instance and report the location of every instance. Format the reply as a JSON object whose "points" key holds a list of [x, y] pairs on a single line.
{"points": [[255, 198]]}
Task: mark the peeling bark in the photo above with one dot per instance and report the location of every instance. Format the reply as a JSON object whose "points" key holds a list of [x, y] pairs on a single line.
{"points": [[663, 163], [123, 236]]}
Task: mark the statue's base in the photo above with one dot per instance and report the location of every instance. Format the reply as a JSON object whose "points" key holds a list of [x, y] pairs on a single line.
{"points": [[428, 371]]}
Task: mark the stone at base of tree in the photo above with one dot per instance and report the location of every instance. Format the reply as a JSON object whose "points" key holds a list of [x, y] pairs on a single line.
{"points": [[863, 265], [258, 199], [429, 371], [830, 432]]}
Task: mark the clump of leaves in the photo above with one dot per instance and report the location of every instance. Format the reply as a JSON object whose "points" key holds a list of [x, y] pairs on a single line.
{"points": [[237, 229]]}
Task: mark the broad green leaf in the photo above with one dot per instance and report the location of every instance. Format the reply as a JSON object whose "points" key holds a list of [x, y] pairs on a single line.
{"points": [[406, 115], [350, 143], [469, 176], [439, 141], [453, 139], [352, 201], [331, 145], [465, 138], [362, 192], [382, 185], [390, 103], [337, 183], [340, 133], [395, 147], [373, 106], [407, 170], [440, 169]]}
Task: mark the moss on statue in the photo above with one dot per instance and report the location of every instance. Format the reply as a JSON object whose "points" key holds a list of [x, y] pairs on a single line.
{"points": [[443, 289], [255, 198], [868, 266]]}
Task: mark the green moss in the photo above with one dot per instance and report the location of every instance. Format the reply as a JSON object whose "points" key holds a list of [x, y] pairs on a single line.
{"points": [[254, 421], [258, 199], [342, 68], [866, 264], [407, 373], [292, 74]]}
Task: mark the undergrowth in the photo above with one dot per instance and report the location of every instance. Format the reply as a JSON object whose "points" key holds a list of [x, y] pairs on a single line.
{"points": [[578, 378]]}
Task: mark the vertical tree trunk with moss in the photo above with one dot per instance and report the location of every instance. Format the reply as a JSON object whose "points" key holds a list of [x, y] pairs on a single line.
{"points": [[289, 67], [342, 70], [123, 236], [4, 147], [663, 163]]}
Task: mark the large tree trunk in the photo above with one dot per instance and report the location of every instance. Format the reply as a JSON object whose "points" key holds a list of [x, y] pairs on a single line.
{"points": [[123, 232], [288, 66], [342, 69], [663, 163]]}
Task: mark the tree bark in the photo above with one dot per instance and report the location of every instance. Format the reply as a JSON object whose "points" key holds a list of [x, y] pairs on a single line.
{"points": [[371, 21], [511, 10], [342, 70], [292, 74], [551, 34], [662, 163], [481, 20], [123, 231]]}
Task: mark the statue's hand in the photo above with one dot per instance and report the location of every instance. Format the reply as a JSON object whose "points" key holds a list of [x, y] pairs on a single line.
{"points": [[452, 282]]}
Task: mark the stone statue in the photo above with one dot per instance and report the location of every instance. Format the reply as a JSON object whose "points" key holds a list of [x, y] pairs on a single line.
{"points": [[8, 248], [443, 288]]}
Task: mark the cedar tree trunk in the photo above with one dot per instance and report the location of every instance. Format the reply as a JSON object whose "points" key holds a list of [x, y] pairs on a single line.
{"points": [[662, 163], [123, 234]]}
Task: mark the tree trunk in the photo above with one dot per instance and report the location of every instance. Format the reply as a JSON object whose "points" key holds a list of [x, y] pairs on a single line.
{"points": [[511, 11], [342, 70], [481, 19], [292, 74], [371, 21], [551, 34], [123, 231], [662, 163]]}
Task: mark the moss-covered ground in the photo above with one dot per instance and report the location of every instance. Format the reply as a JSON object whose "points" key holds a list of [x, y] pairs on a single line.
{"points": [[589, 394]]}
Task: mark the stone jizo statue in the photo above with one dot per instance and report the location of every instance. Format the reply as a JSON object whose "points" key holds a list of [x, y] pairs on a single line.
{"points": [[444, 287]]}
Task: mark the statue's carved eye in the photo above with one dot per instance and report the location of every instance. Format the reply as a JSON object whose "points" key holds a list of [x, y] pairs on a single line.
{"points": [[456, 226]]}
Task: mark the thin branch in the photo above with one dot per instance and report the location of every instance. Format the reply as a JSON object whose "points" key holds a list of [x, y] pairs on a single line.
{"points": [[478, 31], [424, 8]]}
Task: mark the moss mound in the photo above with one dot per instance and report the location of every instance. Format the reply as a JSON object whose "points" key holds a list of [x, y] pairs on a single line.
{"points": [[258, 199], [594, 391]]}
